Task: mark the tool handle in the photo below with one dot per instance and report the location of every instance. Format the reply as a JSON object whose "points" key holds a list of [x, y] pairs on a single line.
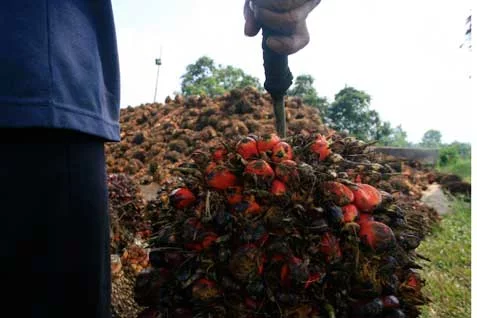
{"points": [[278, 77]]}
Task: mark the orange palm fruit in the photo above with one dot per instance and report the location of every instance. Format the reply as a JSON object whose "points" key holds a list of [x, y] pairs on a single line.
{"points": [[259, 168], [278, 187], [338, 193], [321, 147], [219, 154], [350, 212], [282, 151], [376, 235], [366, 197], [234, 194], [286, 170], [247, 148], [182, 198], [330, 247], [267, 142], [220, 178]]}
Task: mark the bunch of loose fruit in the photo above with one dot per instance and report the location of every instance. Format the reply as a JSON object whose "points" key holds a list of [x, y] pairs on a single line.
{"points": [[264, 227]]}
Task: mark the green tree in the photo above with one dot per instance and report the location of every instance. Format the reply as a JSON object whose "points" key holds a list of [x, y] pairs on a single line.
{"points": [[204, 77], [350, 112], [397, 138], [303, 88], [431, 139], [463, 148]]}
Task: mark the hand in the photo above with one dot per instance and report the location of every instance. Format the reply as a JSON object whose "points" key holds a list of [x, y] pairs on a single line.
{"points": [[286, 17]]}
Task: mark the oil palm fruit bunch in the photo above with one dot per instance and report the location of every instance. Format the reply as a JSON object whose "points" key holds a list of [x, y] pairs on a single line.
{"points": [[264, 227]]}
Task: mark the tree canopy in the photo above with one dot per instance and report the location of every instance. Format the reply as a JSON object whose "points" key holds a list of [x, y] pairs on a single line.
{"points": [[350, 112], [397, 138], [204, 77], [303, 88], [431, 139]]}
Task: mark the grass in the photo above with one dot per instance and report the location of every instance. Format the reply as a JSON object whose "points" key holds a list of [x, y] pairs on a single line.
{"points": [[448, 275], [462, 168]]}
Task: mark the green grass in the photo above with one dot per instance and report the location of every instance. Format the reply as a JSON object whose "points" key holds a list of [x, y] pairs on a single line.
{"points": [[448, 275], [462, 168]]}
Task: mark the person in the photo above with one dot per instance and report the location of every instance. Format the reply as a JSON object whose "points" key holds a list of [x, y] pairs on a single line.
{"points": [[59, 105]]}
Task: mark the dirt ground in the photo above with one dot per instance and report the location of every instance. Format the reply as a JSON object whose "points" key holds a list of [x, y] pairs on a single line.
{"points": [[435, 197]]}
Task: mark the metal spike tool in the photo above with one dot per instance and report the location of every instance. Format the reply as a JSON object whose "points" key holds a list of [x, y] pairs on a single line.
{"points": [[278, 79]]}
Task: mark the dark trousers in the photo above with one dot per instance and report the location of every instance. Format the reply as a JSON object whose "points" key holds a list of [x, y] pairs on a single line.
{"points": [[54, 232]]}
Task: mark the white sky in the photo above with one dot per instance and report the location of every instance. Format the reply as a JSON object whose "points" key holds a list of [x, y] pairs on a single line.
{"points": [[405, 54]]}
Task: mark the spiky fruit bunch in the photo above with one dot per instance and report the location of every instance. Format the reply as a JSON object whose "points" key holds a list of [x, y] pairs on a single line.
{"points": [[267, 228]]}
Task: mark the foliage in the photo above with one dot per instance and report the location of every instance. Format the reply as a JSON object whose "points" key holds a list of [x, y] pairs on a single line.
{"points": [[350, 112], [448, 155], [448, 275], [204, 77], [431, 139], [397, 138], [455, 158], [303, 88], [462, 168], [463, 149]]}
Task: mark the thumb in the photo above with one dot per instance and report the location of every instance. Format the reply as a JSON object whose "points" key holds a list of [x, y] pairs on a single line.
{"points": [[251, 27]]}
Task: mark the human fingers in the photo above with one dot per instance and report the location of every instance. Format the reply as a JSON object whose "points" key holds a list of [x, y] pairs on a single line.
{"points": [[279, 5], [251, 27], [284, 22], [292, 43]]}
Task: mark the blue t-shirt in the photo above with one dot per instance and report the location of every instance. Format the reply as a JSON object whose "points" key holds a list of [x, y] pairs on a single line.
{"points": [[59, 66]]}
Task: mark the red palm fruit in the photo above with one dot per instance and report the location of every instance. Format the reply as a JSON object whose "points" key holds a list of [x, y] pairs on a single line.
{"points": [[267, 142], [365, 217], [219, 154], [339, 193], [313, 278], [390, 301], [350, 213], [251, 303], [285, 275], [252, 207], [286, 171], [234, 194], [321, 147], [205, 290], [247, 206], [366, 197], [220, 178], [247, 148], [376, 235], [330, 247], [282, 151], [294, 271], [260, 168], [182, 198], [278, 187], [211, 166], [208, 240], [413, 281]]}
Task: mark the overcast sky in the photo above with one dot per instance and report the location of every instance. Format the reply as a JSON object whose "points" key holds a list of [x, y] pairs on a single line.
{"points": [[405, 54]]}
